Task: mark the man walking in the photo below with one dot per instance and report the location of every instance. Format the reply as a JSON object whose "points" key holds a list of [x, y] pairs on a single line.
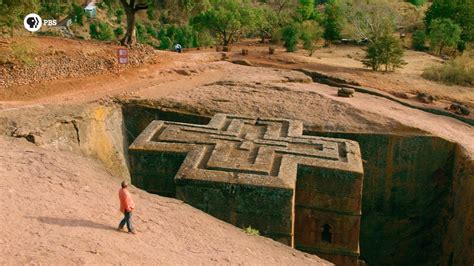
{"points": [[126, 207]]}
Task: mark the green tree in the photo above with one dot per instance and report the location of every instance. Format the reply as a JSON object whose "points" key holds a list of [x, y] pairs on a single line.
{"points": [[290, 35], [459, 11], [311, 33], [266, 21], [306, 10], [12, 12], [180, 11], [284, 10], [419, 40], [444, 33], [227, 19], [333, 21], [101, 31], [385, 51]]}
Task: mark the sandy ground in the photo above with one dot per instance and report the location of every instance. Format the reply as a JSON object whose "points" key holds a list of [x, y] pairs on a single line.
{"points": [[60, 208]]}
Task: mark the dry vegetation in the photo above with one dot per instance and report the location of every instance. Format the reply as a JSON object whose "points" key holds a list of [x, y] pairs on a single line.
{"points": [[459, 71]]}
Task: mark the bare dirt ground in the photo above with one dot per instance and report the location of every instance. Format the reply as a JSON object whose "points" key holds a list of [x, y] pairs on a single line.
{"points": [[343, 61], [60, 208]]}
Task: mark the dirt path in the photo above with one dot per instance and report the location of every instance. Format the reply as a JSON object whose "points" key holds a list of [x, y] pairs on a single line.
{"points": [[165, 67]]}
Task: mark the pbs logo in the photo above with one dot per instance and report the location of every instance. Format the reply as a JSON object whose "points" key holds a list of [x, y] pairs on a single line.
{"points": [[32, 22]]}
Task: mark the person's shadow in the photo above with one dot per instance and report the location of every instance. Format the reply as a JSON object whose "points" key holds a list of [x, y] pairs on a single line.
{"points": [[73, 223]]}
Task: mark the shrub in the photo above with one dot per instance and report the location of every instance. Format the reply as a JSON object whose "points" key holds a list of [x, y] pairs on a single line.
{"points": [[119, 14], [276, 36], [184, 35], [165, 42], [150, 30], [187, 36], [311, 33], [151, 13], [93, 31], [290, 36], [419, 40], [384, 51], [202, 38], [251, 231], [77, 13], [105, 32], [140, 32], [23, 52], [459, 71], [101, 31], [119, 31]]}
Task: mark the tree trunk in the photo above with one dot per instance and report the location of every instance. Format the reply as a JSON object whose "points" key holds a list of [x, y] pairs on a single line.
{"points": [[224, 39], [130, 36], [441, 47]]}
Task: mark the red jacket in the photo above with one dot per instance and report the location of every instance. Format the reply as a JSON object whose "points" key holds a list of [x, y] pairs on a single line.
{"points": [[126, 201]]}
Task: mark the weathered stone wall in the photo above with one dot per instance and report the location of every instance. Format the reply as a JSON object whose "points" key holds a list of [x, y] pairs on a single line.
{"points": [[101, 132], [155, 171], [138, 117], [270, 210], [406, 197], [94, 130], [458, 245], [328, 197]]}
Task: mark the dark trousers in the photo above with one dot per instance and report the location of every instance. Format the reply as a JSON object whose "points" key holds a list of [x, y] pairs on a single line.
{"points": [[127, 219]]}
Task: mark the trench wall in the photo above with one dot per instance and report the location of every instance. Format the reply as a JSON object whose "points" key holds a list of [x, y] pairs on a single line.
{"points": [[406, 199], [458, 245], [95, 131]]}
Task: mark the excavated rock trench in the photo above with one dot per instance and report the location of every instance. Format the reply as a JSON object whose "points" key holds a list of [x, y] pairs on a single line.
{"points": [[412, 183]]}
